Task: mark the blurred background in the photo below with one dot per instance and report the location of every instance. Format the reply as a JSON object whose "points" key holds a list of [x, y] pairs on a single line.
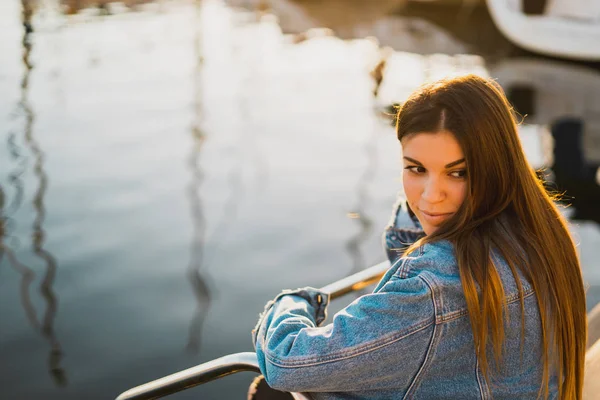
{"points": [[166, 167]]}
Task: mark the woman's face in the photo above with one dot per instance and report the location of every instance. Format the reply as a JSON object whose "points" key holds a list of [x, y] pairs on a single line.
{"points": [[435, 178]]}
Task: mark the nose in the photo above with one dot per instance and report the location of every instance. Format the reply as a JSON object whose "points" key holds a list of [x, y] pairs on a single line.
{"points": [[433, 192]]}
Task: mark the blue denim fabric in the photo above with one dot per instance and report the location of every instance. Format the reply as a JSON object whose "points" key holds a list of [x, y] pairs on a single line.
{"points": [[409, 339]]}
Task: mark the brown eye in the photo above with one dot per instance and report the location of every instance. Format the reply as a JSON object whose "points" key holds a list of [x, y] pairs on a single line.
{"points": [[416, 169], [459, 174]]}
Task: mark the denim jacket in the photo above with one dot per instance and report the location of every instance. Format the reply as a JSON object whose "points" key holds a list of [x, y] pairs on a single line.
{"points": [[409, 339]]}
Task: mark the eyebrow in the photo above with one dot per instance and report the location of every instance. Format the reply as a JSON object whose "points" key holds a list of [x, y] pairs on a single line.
{"points": [[449, 165]]}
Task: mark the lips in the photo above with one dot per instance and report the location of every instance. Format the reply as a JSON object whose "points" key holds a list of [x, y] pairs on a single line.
{"points": [[434, 214], [435, 218]]}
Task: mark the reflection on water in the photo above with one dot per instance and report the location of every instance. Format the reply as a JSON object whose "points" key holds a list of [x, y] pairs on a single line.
{"points": [[199, 286], [46, 327], [27, 274], [38, 234], [359, 213], [6, 222], [378, 71], [15, 179]]}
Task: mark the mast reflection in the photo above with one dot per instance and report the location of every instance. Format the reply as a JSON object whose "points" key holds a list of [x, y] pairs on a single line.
{"points": [[199, 286], [27, 274], [358, 213], [364, 221], [38, 234], [15, 177]]}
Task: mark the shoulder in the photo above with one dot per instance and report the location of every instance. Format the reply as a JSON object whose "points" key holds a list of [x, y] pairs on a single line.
{"points": [[430, 258], [436, 264], [439, 259]]}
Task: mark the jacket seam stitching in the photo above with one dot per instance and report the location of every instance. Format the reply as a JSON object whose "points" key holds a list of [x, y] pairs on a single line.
{"points": [[338, 357], [428, 352], [402, 272], [407, 229], [461, 313], [404, 268]]}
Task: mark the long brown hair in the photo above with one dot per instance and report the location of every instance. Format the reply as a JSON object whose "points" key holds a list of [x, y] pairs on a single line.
{"points": [[507, 210]]}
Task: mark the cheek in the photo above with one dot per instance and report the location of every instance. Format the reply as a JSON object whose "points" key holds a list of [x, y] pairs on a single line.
{"points": [[412, 187], [458, 192]]}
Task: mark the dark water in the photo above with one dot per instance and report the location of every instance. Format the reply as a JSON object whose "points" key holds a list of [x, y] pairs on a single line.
{"points": [[166, 168]]}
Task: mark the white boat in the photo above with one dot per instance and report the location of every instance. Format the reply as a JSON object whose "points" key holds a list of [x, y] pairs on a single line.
{"points": [[561, 105], [556, 90], [562, 28]]}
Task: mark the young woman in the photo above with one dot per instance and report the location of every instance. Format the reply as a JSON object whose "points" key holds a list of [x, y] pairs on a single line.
{"points": [[484, 298]]}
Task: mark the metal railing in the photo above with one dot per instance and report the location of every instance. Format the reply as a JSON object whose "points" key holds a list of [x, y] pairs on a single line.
{"points": [[240, 362]]}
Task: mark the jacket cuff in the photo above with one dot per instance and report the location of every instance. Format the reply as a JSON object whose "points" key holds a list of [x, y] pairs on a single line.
{"points": [[317, 299]]}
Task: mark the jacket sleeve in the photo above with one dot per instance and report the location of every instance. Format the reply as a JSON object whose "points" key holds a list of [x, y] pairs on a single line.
{"points": [[378, 342], [402, 230]]}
